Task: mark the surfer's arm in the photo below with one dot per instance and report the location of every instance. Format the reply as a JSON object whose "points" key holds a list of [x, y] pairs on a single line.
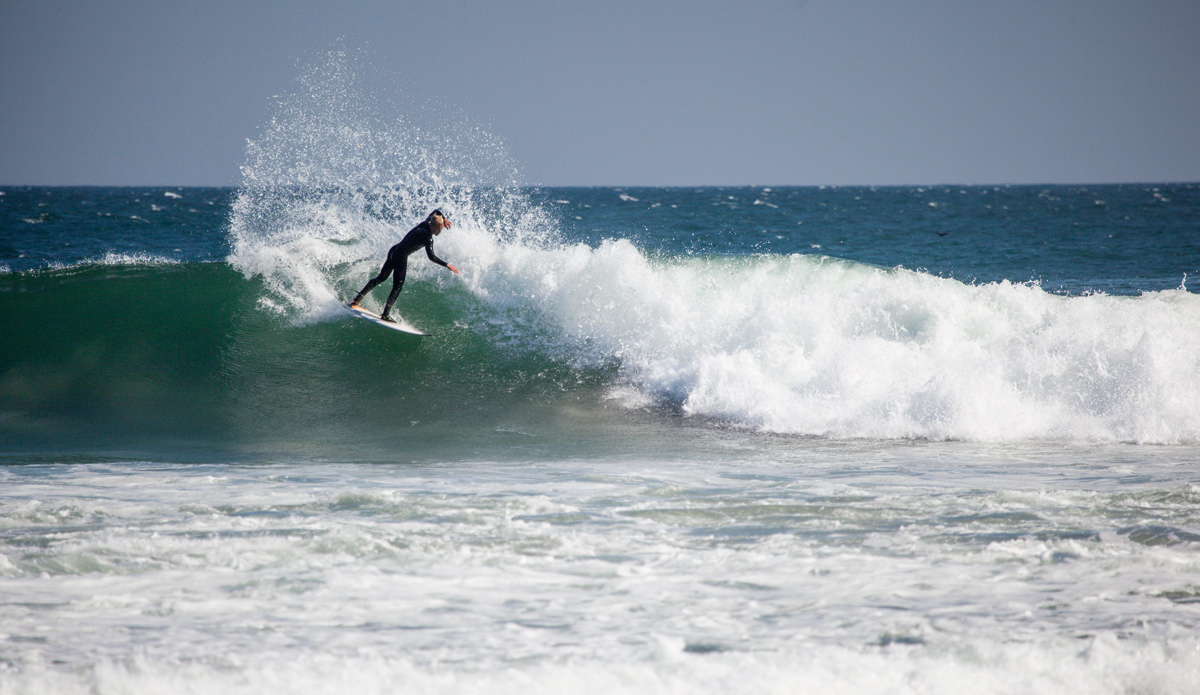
{"points": [[433, 257]]}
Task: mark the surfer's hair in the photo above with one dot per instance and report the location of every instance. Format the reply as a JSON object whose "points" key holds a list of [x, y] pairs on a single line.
{"points": [[438, 213]]}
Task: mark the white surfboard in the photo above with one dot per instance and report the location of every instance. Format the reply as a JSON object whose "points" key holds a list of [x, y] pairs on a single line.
{"points": [[398, 325]]}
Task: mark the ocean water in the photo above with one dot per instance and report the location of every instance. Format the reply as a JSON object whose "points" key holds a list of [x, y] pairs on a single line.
{"points": [[660, 440], [931, 439]]}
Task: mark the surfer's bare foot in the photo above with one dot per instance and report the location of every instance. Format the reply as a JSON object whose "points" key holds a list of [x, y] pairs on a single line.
{"points": [[353, 305]]}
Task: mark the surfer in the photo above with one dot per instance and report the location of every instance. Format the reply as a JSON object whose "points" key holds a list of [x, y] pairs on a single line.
{"points": [[397, 259]]}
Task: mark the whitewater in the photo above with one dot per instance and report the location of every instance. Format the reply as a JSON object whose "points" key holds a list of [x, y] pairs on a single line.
{"points": [[759, 439], [813, 345]]}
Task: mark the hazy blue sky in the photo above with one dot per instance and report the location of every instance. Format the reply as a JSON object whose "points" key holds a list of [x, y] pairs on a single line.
{"points": [[658, 92]]}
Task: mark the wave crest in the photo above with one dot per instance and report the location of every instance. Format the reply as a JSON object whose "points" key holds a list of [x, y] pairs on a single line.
{"points": [[799, 344]]}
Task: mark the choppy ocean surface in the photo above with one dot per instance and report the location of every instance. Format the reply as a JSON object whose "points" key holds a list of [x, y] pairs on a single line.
{"points": [[846, 440]]}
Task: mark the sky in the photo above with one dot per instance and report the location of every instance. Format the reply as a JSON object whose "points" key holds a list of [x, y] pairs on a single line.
{"points": [[623, 93]]}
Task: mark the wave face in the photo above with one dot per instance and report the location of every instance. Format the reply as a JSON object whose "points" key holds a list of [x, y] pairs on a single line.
{"points": [[554, 337], [798, 344]]}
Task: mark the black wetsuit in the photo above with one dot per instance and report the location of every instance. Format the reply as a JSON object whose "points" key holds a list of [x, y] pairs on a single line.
{"points": [[397, 262]]}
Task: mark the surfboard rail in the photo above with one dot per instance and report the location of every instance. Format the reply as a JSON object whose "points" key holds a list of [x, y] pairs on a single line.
{"points": [[399, 324]]}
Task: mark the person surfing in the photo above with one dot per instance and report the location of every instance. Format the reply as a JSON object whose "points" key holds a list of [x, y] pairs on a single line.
{"points": [[396, 264]]}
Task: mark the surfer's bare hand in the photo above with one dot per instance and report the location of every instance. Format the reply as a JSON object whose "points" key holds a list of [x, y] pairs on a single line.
{"points": [[452, 268]]}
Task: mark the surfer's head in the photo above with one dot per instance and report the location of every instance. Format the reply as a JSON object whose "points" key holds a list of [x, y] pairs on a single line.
{"points": [[438, 221]]}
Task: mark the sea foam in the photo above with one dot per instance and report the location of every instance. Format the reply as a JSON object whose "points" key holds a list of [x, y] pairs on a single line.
{"points": [[1097, 666], [815, 345]]}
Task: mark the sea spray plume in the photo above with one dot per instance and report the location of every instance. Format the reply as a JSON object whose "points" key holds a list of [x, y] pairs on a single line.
{"points": [[335, 177]]}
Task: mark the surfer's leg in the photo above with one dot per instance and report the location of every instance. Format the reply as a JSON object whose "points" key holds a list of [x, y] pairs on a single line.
{"points": [[373, 282], [397, 285]]}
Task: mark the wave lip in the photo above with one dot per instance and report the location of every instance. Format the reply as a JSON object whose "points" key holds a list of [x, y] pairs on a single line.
{"points": [[110, 259], [121, 259]]}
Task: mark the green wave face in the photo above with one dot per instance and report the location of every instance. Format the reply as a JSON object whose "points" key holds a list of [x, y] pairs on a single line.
{"points": [[184, 357]]}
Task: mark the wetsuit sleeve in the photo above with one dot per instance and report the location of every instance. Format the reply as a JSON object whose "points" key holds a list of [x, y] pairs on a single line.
{"points": [[429, 252]]}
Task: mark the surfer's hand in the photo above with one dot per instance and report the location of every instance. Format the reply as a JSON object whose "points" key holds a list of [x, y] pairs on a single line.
{"points": [[452, 268]]}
